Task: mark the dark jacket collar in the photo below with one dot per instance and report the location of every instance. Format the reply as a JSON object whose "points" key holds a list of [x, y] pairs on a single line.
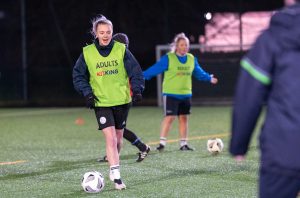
{"points": [[104, 50]]}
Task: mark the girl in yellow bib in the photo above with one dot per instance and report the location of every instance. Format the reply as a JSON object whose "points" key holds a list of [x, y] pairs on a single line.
{"points": [[178, 66], [102, 74]]}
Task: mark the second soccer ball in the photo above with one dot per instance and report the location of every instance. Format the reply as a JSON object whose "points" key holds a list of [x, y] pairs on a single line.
{"points": [[215, 145]]}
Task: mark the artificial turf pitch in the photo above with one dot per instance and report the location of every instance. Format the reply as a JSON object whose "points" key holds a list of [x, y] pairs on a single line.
{"points": [[46, 151]]}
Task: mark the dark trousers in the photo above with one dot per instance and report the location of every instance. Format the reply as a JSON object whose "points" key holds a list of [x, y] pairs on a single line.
{"points": [[272, 185]]}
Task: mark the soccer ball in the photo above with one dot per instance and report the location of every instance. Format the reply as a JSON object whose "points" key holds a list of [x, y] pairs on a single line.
{"points": [[215, 146], [92, 182]]}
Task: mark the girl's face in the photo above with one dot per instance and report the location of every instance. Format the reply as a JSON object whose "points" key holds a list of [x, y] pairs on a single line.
{"points": [[104, 34], [182, 47]]}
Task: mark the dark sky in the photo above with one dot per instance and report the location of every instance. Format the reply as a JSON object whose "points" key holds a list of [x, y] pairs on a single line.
{"points": [[56, 31], [60, 28]]}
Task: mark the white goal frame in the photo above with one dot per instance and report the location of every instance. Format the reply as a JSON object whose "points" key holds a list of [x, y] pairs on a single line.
{"points": [[203, 48]]}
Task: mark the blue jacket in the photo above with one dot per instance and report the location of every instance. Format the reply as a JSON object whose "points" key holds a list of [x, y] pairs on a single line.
{"points": [[133, 69], [162, 66], [270, 74]]}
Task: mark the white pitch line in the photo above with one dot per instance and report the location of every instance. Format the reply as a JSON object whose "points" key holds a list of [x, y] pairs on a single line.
{"points": [[39, 112], [194, 138], [15, 162]]}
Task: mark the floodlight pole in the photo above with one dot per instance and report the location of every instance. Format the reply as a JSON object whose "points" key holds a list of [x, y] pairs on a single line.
{"points": [[24, 48]]}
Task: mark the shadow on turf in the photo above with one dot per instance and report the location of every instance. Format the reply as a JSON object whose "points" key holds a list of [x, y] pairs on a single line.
{"points": [[181, 173], [60, 166], [81, 193]]}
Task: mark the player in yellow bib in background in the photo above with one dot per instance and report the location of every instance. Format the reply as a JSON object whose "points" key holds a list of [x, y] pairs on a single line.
{"points": [[178, 67]]}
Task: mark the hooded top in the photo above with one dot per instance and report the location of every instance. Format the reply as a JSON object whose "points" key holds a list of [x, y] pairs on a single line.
{"points": [[270, 74], [285, 28]]}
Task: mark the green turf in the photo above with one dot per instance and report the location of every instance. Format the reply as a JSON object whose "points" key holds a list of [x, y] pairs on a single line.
{"points": [[58, 152]]}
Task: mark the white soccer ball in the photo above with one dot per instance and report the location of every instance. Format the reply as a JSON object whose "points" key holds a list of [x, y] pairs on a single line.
{"points": [[92, 182], [215, 146]]}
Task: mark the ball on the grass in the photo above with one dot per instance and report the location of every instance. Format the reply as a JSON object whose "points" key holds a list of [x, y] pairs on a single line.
{"points": [[92, 182], [215, 146]]}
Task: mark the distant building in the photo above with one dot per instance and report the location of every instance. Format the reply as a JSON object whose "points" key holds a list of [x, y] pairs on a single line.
{"points": [[224, 30]]}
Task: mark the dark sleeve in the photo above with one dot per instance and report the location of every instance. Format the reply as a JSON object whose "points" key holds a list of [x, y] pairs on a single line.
{"points": [[248, 101], [134, 72], [254, 83], [81, 77]]}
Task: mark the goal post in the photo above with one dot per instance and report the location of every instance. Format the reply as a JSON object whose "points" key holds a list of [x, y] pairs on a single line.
{"points": [[158, 52], [221, 60]]}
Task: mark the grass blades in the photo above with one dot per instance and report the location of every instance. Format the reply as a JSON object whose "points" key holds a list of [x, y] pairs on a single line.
{"points": [[46, 151]]}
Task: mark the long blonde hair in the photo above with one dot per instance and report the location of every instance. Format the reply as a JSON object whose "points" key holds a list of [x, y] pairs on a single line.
{"points": [[99, 20], [176, 39]]}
